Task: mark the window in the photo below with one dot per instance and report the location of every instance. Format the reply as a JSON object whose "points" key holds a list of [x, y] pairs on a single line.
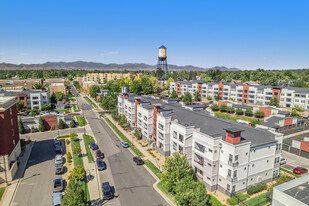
{"points": [[229, 173], [174, 145], [252, 165], [12, 132], [236, 158], [228, 187], [235, 173], [210, 150], [180, 137], [10, 111], [234, 188], [175, 135]]}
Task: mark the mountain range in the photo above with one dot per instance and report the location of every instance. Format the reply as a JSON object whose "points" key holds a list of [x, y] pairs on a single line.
{"points": [[100, 66]]}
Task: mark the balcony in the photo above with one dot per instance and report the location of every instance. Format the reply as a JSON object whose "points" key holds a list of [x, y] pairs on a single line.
{"points": [[200, 162], [231, 179], [233, 164], [199, 149]]}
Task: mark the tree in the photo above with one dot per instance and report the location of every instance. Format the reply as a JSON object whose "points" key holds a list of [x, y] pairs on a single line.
{"points": [[197, 96], [146, 85], [209, 97], [76, 150], [21, 127], [187, 98], [230, 110], [73, 134], [72, 123], [70, 78], [93, 89], [168, 83], [174, 94], [61, 124], [214, 107], [156, 86], [32, 129], [223, 108], [239, 111], [259, 114], [298, 109], [38, 86], [53, 127], [53, 99], [135, 87], [231, 99], [160, 73], [46, 107], [137, 134], [175, 168], [41, 125], [74, 195], [274, 102], [20, 106], [109, 101], [123, 121], [59, 96], [218, 97], [249, 112], [293, 113], [35, 112], [78, 173]]}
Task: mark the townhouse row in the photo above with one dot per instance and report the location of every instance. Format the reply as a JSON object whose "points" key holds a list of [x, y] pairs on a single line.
{"points": [[246, 93], [101, 77], [226, 156]]}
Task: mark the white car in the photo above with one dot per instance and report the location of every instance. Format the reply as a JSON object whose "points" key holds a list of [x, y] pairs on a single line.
{"points": [[58, 159], [306, 116], [282, 161]]}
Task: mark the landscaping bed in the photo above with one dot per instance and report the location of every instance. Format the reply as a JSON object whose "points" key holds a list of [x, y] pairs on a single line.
{"points": [[87, 140], [75, 108], [259, 200], [81, 121], [2, 189], [234, 117], [90, 102]]}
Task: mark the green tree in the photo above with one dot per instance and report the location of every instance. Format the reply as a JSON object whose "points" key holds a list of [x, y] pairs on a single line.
{"points": [[53, 127], [239, 111], [249, 112], [109, 101], [35, 112], [137, 134], [74, 195], [136, 87], [59, 96], [209, 97], [46, 107], [61, 124], [41, 125], [156, 85], [223, 108], [93, 89], [274, 102], [174, 94], [168, 83], [175, 168], [214, 107], [123, 121], [70, 78], [21, 127], [293, 113], [146, 85], [53, 99], [38, 86], [187, 98], [160, 73], [20, 106], [78, 173], [72, 123], [298, 109], [76, 150], [259, 114], [197, 96], [231, 99], [218, 97], [230, 110]]}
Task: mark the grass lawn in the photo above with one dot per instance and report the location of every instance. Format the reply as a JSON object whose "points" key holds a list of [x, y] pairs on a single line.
{"points": [[259, 200], [63, 136], [87, 140], [291, 173], [73, 100], [61, 110], [81, 121], [124, 138], [213, 201], [90, 102], [234, 117], [165, 191], [77, 158], [2, 189], [75, 108], [153, 168]]}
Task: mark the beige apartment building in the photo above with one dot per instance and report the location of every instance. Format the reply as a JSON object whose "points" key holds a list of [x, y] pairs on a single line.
{"points": [[100, 77], [57, 87]]}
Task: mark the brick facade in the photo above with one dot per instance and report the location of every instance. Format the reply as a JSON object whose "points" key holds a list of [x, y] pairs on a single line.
{"points": [[266, 110], [245, 93], [49, 121], [288, 121]]}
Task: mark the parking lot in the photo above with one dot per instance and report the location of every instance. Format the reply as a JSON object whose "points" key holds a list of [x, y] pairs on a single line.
{"points": [[36, 186], [294, 161]]}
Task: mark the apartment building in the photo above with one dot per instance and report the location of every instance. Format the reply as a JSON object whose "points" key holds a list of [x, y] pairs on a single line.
{"points": [[226, 156], [10, 147], [57, 87], [126, 107], [50, 81], [247, 93], [25, 83], [32, 99]]}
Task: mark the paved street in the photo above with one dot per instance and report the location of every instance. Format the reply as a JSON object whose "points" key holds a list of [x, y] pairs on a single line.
{"points": [[133, 184], [294, 161]]}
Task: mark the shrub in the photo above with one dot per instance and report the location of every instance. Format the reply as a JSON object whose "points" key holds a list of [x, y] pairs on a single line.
{"points": [[237, 198], [69, 156], [230, 110], [67, 141], [223, 108], [32, 130], [256, 188], [72, 123], [76, 149], [239, 111], [53, 127], [214, 107], [73, 134], [209, 98], [61, 124]]}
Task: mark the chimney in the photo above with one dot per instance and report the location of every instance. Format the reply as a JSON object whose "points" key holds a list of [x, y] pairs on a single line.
{"points": [[125, 95], [233, 135], [43, 89]]}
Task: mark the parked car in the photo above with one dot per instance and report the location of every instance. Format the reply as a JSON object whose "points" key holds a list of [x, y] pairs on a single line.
{"points": [[57, 143], [58, 150], [56, 112], [25, 113], [306, 116], [138, 160], [93, 146], [282, 161], [124, 144], [58, 169], [58, 184], [107, 191], [101, 164], [300, 170], [57, 198], [58, 159], [100, 155]]}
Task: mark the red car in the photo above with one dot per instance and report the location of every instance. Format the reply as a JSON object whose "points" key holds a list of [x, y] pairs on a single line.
{"points": [[300, 170], [100, 155]]}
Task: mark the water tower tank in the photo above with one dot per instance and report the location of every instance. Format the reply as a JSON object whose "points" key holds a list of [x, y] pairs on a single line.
{"points": [[162, 52]]}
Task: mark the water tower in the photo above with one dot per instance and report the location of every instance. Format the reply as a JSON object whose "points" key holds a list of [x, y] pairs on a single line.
{"points": [[162, 60]]}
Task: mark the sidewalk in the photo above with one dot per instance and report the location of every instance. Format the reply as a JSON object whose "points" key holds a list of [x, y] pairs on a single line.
{"points": [[12, 188], [93, 179]]}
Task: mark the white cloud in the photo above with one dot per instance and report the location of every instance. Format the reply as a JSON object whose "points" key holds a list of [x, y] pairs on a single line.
{"points": [[110, 53]]}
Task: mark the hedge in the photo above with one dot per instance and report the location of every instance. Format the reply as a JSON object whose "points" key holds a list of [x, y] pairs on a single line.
{"points": [[256, 188]]}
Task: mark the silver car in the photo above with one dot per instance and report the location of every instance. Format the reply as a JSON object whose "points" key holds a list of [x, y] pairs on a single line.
{"points": [[58, 159]]}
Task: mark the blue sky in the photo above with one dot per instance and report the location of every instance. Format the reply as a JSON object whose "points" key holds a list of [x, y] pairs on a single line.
{"points": [[247, 34]]}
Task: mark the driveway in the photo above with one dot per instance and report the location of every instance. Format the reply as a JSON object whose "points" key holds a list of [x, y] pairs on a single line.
{"points": [[294, 161]]}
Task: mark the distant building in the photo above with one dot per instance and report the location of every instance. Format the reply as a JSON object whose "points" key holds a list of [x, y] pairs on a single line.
{"points": [[48, 82], [10, 147], [57, 87], [32, 99], [294, 192], [25, 83], [101, 77]]}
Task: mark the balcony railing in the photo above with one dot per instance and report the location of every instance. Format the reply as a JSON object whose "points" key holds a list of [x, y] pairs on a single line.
{"points": [[233, 164], [199, 162], [199, 149], [231, 179]]}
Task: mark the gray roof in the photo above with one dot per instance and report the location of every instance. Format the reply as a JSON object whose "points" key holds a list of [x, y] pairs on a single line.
{"points": [[214, 126], [16, 92]]}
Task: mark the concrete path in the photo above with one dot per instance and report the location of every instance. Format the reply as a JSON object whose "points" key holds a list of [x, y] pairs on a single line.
{"points": [[295, 134], [12, 188]]}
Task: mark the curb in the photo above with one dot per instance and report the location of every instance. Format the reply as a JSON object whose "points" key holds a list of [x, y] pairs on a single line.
{"points": [[152, 174]]}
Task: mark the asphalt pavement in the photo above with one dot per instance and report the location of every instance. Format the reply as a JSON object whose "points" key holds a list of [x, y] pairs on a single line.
{"points": [[133, 184]]}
